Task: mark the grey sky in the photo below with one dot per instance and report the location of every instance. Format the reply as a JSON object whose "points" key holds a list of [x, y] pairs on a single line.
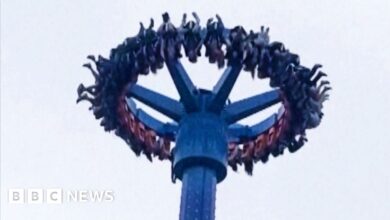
{"points": [[47, 141]]}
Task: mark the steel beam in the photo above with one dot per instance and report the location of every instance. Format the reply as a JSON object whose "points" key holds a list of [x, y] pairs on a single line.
{"points": [[167, 106], [198, 194], [223, 87], [184, 85], [249, 106]]}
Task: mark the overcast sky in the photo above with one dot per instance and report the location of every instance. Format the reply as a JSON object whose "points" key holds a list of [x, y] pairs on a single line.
{"points": [[47, 141]]}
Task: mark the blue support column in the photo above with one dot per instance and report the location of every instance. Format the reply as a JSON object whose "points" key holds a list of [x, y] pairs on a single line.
{"points": [[200, 159], [198, 194]]}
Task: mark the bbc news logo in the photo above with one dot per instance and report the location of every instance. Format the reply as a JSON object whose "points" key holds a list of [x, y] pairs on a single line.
{"points": [[58, 196]]}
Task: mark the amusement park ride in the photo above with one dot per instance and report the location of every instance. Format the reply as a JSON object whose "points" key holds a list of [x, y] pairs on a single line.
{"points": [[204, 124]]}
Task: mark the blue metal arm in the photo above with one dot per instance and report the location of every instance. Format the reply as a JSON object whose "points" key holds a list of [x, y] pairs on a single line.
{"points": [[162, 129], [223, 87], [167, 106], [184, 85], [264, 125], [246, 107], [238, 132]]}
